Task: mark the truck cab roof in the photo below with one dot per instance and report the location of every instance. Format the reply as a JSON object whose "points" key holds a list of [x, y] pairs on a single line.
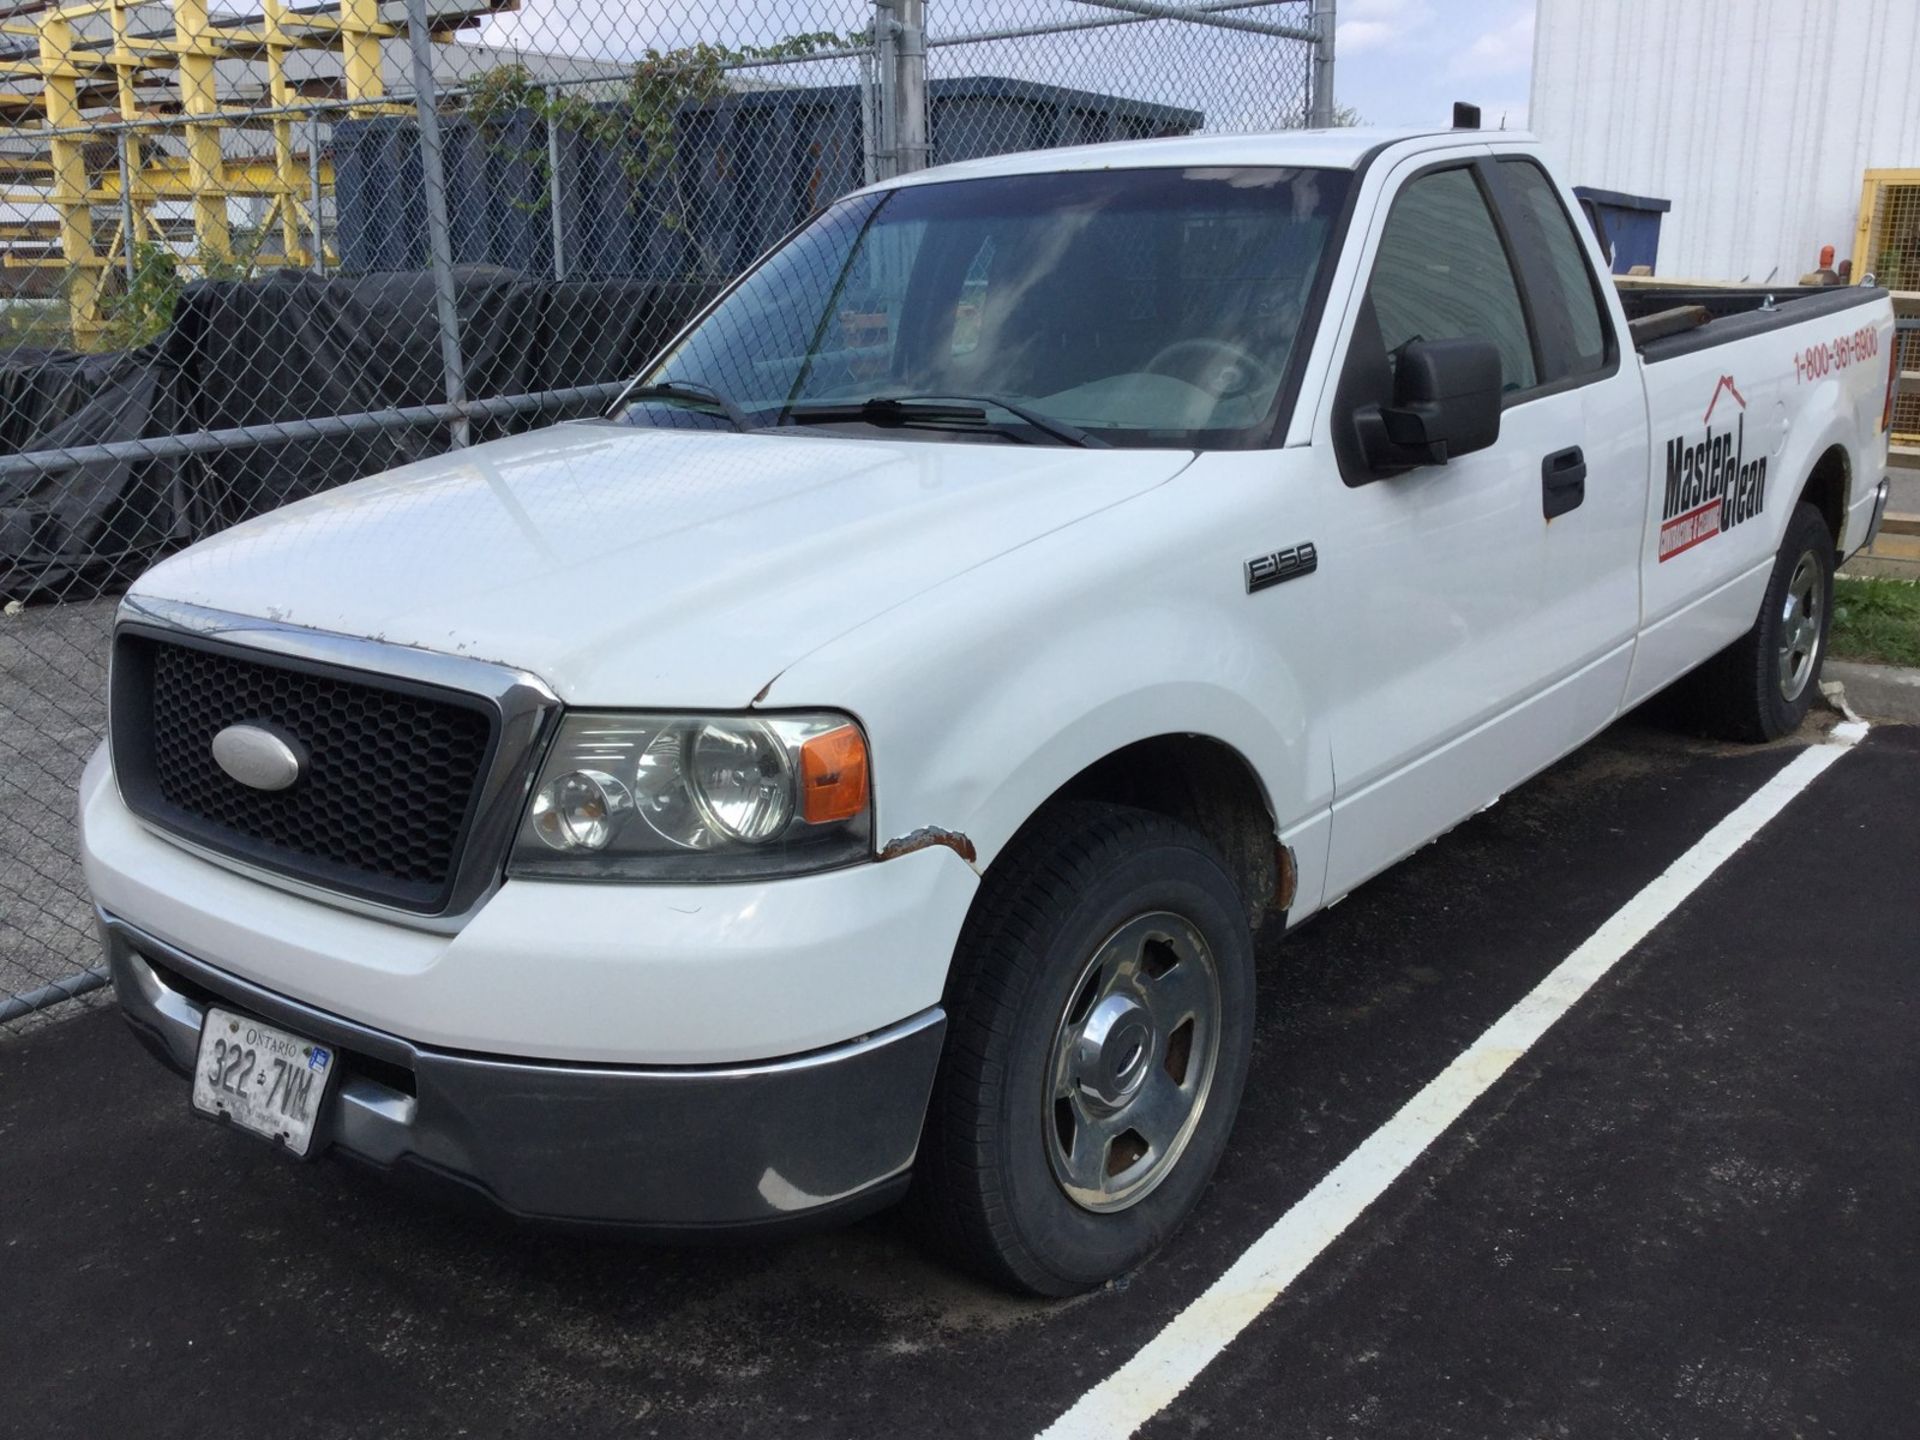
{"points": [[1342, 149]]}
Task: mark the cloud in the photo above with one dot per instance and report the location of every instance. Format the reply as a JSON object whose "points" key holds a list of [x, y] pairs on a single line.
{"points": [[1406, 12], [1404, 62], [1353, 37], [1506, 49], [1403, 26]]}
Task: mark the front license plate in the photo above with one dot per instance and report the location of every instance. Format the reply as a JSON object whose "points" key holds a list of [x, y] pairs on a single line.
{"points": [[262, 1078]]}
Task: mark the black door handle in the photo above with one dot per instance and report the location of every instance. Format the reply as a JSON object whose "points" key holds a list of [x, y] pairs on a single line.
{"points": [[1563, 481]]}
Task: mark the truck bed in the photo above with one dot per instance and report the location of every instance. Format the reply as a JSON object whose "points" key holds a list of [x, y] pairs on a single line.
{"points": [[1669, 321]]}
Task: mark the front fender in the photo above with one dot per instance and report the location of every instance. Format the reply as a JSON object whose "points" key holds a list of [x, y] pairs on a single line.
{"points": [[986, 695]]}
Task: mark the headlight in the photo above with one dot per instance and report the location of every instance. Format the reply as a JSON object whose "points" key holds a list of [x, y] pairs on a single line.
{"points": [[697, 797]]}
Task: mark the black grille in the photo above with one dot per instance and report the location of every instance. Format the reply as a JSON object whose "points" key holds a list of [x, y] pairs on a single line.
{"points": [[384, 800]]}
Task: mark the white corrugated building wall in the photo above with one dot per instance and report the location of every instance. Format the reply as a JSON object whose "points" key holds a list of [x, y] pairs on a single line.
{"points": [[1754, 117]]}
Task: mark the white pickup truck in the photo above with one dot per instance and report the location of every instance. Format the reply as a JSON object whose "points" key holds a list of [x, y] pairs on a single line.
{"points": [[864, 756]]}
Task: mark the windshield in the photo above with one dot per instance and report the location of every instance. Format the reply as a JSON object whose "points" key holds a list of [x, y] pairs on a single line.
{"points": [[1141, 307]]}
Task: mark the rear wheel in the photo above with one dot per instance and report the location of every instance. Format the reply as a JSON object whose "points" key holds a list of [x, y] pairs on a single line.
{"points": [[1100, 1023], [1761, 686]]}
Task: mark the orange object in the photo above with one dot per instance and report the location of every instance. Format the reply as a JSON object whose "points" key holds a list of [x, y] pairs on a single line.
{"points": [[833, 776], [1826, 257]]}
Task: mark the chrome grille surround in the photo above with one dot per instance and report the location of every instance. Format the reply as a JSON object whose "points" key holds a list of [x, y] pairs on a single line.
{"points": [[522, 708]]}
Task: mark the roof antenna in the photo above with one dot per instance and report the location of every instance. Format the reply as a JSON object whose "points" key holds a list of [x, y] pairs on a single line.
{"points": [[1465, 116]]}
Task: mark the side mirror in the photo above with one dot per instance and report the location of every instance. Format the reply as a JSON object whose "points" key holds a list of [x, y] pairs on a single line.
{"points": [[1446, 402]]}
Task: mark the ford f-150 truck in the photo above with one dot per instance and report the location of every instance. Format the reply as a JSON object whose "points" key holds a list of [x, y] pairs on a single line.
{"points": [[861, 759]]}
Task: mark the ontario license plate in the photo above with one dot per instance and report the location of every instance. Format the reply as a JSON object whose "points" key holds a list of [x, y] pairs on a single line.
{"points": [[261, 1078]]}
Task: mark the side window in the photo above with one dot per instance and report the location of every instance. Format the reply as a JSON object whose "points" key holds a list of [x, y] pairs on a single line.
{"points": [[1441, 273], [1578, 298]]}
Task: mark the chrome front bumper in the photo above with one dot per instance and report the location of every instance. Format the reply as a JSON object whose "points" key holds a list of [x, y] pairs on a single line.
{"points": [[820, 1136]]}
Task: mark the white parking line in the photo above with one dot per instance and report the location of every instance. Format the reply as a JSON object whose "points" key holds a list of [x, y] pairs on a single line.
{"points": [[1168, 1363]]}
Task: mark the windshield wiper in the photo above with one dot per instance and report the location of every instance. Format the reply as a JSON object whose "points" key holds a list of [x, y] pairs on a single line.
{"points": [[692, 392], [970, 412]]}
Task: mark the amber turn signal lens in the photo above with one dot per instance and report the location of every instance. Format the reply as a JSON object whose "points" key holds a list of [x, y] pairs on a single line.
{"points": [[833, 776]]}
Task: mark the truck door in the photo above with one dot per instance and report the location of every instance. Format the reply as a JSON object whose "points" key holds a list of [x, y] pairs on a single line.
{"points": [[1489, 603]]}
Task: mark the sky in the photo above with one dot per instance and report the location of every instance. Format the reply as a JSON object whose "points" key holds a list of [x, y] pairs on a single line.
{"points": [[1404, 62], [1397, 62]]}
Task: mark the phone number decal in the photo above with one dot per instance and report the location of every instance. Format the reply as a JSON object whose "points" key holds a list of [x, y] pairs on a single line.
{"points": [[1818, 360]]}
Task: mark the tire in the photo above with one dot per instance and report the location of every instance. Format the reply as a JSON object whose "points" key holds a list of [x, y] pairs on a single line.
{"points": [[1761, 686], [1067, 1059]]}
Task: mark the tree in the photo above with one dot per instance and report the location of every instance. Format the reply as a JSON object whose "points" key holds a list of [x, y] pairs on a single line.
{"points": [[641, 123]]}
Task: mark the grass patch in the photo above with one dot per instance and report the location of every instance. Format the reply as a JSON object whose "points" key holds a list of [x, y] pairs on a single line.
{"points": [[1877, 620]]}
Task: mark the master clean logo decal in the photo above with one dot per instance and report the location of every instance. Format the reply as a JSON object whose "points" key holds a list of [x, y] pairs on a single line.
{"points": [[1711, 485]]}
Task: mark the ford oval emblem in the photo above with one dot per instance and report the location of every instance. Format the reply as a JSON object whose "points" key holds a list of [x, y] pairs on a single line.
{"points": [[258, 757]]}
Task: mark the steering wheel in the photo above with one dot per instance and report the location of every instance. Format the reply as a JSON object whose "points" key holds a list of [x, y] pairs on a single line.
{"points": [[1239, 371]]}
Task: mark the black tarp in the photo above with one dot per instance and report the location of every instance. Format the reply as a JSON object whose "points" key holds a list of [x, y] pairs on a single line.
{"points": [[97, 520], [292, 346]]}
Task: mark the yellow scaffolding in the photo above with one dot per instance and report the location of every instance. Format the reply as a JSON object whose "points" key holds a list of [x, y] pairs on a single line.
{"points": [[1886, 239], [78, 104], [1886, 245]]}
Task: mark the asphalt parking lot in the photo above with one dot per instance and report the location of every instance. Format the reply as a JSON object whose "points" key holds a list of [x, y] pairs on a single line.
{"points": [[1688, 1210]]}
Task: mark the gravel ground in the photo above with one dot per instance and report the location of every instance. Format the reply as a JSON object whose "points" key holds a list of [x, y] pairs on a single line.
{"points": [[53, 682]]}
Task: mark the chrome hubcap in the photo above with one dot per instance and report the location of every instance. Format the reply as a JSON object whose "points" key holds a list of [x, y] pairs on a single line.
{"points": [[1800, 620], [1133, 1059]]}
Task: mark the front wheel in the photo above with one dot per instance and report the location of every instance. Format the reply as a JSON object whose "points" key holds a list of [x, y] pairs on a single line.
{"points": [[1100, 1027], [1761, 686]]}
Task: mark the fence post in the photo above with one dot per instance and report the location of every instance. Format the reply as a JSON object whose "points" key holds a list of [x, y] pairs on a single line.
{"points": [[126, 208], [314, 197], [870, 106], [883, 141], [433, 175], [553, 183], [910, 87], [1320, 88]]}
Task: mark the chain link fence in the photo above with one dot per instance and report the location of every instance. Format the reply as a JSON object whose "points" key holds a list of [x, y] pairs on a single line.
{"points": [[251, 251]]}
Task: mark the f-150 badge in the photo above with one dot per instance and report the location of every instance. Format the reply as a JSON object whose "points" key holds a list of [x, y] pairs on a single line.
{"points": [[1288, 564], [1711, 485]]}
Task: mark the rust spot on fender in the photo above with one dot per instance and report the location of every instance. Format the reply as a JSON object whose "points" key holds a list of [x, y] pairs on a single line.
{"points": [[926, 838]]}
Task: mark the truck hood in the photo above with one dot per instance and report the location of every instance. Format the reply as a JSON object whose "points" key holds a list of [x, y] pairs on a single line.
{"points": [[648, 567]]}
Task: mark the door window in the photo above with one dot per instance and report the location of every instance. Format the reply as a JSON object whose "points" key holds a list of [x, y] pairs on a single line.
{"points": [[1585, 340], [1441, 273]]}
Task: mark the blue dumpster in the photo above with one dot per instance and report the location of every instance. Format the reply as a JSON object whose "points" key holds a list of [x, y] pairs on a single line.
{"points": [[1631, 224]]}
